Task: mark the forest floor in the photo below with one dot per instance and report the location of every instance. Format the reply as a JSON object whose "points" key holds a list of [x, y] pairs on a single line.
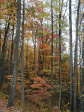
{"points": [[3, 107], [28, 106]]}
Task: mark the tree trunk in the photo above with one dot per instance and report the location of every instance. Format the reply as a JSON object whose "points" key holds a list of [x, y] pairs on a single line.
{"points": [[52, 37], [5, 41], [15, 60], [11, 53], [60, 32], [3, 54], [71, 57], [0, 42], [22, 59], [76, 62]]}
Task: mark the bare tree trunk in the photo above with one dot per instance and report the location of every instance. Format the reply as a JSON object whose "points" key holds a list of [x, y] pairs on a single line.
{"points": [[0, 42], [35, 52], [11, 53], [76, 62], [60, 32], [22, 59], [27, 57], [15, 60], [52, 38], [71, 56], [12, 44], [3, 53]]}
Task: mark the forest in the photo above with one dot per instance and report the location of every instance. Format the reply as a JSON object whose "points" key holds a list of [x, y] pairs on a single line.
{"points": [[41, 56]]}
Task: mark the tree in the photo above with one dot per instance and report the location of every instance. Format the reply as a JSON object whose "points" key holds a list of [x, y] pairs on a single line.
{"points": [[71, 56], [16, 55], [52, 37], [22, 58], [76, 108], [7, 22]]}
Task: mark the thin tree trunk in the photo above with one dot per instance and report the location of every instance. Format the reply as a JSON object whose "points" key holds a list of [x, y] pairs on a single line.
{"points": [[22, 59], [42, 52], [3, 53], [71, 57], [75, 62], [52, 37], [0, 42], [60, 32], [26, 61], [12, 45]]}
